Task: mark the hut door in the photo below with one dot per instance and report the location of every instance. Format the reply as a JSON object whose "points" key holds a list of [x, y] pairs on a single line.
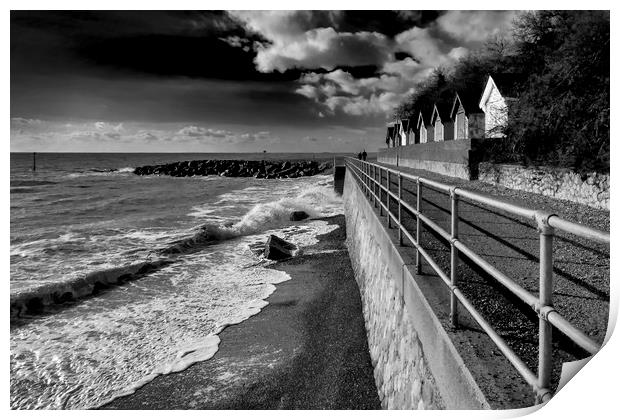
{"points": [[460, 125]]}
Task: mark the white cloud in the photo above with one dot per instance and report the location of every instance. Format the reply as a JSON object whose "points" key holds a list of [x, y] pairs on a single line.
{"points": [[217, 136], [94, 135], [308, 40], [290, 45], [340, 91], [252, 137], [194, 131], [235, 41], [308, 91], [476, 25], [427, 49], [146, 136], [328, 89], [344, 80], [382, 103]]}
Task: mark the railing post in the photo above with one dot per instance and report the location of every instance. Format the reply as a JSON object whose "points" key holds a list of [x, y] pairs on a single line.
{"points": [[380, 191], [545, 348], [365, 178], [374, 186], [387, 204], [400, 209], [418, 260], [454, 257]]}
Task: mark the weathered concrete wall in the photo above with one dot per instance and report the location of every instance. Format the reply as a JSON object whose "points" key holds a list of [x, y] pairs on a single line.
{"points": [[558, 183], [416, 366], [339, 173], [457, 158]]}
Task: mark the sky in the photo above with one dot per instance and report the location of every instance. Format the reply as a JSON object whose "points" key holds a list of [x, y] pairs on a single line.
{"points": [[217, 81]]}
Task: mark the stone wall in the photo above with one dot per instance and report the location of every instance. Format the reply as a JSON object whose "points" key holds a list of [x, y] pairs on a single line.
{"points": [[415, 364], [592, 190]]}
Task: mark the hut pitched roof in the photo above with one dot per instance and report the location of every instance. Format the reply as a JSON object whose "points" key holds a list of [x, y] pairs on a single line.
{"points": [[425, 112], [407, 125], [442, 109], [469, 100]]}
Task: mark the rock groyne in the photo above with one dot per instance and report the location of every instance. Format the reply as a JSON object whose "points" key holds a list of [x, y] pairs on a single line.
{"points": [[237, 168]]}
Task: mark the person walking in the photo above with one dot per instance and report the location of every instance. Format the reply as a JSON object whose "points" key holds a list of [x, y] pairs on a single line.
{"points": [[364, 154], [359, 156]]}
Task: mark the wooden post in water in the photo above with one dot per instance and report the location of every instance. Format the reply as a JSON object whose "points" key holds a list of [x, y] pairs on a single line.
{"points": [[34, 161]]}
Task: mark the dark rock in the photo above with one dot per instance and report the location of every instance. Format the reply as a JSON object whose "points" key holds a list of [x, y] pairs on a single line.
{"points": [[299, 215], [236, 168], [279, 249]]}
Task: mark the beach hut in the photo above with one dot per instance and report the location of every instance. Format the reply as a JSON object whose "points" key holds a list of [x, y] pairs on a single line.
{"points": [[396, 136], [421, 128], [405, 132], [499, 91], [391, 133], [467, 117], [442, 123]]}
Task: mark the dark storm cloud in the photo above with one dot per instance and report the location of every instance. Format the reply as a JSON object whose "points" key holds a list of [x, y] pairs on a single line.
{"points": [[387, 22], [158, 43], [175, 55], [156, 99]]}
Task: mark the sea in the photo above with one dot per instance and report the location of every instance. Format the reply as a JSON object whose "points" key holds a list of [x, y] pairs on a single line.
{"points": [[81, 214]]}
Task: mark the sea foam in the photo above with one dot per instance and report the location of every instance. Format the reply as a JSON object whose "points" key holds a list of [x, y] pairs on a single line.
{"points": [[114, 343]]}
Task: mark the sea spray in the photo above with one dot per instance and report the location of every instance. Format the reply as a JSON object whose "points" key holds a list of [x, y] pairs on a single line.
{"points": [[315, 201]]}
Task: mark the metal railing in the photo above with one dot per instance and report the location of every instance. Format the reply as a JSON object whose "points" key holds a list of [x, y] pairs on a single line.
{"points": [[366, 174]]}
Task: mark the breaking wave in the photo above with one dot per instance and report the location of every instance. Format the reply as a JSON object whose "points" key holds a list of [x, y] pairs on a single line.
{"points": [[35, 300], [315, 201]]}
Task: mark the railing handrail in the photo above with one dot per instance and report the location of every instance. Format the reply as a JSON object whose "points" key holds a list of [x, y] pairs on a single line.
{"points": [[542, 305], [553, 219]]}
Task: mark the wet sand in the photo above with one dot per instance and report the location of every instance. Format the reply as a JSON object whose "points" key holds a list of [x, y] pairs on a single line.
{"points": [[306, 350]]}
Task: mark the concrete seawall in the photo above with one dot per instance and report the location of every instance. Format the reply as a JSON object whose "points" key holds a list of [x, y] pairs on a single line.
{"points": [[416, 366], [456, 158]]}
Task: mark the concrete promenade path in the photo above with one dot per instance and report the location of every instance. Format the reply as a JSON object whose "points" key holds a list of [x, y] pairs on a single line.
{"points": [[307, 349], [581, 267]]}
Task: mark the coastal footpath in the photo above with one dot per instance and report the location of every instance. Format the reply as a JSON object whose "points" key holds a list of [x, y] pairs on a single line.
{"points": [[238, 168]]}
